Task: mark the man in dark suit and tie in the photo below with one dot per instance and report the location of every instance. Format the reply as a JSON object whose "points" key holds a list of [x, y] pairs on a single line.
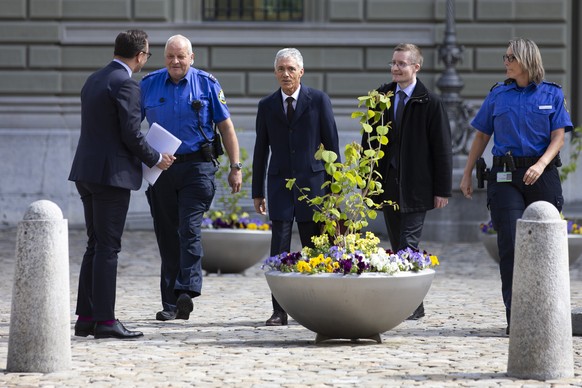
{"points": [[291, 124], [106, 167]]}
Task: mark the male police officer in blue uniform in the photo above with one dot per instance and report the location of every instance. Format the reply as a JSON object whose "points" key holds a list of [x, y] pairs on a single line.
{"points": [[187, 102]]}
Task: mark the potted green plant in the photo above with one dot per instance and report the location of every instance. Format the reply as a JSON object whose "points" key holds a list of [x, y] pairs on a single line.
{"points": [[323, 287], [228, 221]]}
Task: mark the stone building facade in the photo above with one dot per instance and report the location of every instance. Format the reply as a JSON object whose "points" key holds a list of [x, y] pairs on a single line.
{"points": [[49, 47]]}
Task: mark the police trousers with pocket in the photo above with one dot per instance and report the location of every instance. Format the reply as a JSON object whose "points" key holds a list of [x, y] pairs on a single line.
{"points": [[507, 202]]}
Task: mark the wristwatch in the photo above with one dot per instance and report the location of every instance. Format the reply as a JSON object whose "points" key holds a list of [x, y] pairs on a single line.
{"points": [[238, 165]]}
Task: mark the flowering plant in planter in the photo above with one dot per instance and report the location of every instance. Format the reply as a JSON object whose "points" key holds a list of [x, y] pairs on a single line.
{"points": [[574, 228], [348, 205], [217, 219], [361, 254], [487, 228], [230, 214]]}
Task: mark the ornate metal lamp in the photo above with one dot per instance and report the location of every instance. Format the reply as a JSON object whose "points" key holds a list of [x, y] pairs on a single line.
{"points": [[450, 84]]}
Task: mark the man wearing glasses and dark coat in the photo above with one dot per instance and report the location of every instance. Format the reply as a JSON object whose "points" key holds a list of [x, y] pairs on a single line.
{"points": [[417, 165]]}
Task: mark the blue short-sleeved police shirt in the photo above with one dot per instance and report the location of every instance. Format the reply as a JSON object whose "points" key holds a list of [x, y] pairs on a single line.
{"points": [[522, 119], [185, 108]]}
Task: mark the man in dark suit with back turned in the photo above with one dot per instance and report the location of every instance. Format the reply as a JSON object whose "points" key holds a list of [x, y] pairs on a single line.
{"points": [[291, 124], [106, 167]]}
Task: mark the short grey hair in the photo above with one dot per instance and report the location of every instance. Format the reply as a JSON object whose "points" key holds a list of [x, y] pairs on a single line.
{"points": [[181, 38], [289, 53]]}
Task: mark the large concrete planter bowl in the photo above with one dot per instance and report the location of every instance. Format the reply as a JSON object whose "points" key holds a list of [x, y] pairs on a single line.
{"points": [[574, 246], [490, 243], [233, 250], [350, 306]]}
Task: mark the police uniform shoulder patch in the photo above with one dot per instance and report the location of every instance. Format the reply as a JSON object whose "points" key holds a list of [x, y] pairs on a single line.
{"points": [[553, 84], [496, 85], [152, 73], [208, 75], [148, 75], [221, 97]]}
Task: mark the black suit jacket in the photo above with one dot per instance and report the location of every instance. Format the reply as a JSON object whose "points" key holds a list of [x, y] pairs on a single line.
{"points": [[292, 147], [111, 146]]}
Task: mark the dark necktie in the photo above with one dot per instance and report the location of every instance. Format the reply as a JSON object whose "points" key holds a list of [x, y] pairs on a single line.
{"points": [[400, 108], [290, 109], [396, 128]]}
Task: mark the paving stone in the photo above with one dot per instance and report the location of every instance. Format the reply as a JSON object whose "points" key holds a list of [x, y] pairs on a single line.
{"points": [[460, 343]]}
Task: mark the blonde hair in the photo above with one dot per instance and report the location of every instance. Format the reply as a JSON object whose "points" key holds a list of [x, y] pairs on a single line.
{"points": [[528, 55], [414, 50]]}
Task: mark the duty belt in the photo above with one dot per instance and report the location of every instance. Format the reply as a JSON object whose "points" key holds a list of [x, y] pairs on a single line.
{"points": [[192, 157], [521, 162], [509, 164]]}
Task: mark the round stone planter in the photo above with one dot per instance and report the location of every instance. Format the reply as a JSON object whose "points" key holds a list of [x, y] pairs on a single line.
{"points": [[233, 250], [490, 243], [574, 246], [350, 306]]}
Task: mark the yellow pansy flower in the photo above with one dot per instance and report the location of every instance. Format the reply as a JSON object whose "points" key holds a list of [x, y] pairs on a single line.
{"points": [[304, 267]]}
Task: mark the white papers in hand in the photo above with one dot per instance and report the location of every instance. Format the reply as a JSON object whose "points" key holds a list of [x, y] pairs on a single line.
{"points": [[162, 141]]}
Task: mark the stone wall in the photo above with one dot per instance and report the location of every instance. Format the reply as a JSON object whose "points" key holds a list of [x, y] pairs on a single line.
{"points": [[49, 47]]}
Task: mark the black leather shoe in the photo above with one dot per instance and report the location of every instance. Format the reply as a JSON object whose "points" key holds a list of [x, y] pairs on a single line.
{"points": [[165, 315], [117, 330], [184, 306], [507, 330], [279, 318], [84, 328], [418, 313]]}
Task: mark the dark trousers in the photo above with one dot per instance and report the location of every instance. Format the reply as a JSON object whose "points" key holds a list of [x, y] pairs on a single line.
{"points": [[404, 229], [507, 202], [105, 209], [281, 232], [178, 201]]}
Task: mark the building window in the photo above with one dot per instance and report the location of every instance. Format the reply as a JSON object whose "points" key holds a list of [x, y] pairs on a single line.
{"points": [[253, 10]]}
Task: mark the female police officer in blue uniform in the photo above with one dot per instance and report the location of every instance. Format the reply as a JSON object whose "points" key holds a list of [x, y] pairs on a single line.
{"points": [[529, 118]]}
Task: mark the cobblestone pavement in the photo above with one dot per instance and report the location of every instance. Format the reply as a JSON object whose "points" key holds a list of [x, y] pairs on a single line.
{"points": [[460, 342]]}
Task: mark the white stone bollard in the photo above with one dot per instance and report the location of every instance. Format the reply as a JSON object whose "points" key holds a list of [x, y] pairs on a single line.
{"points": [[40, 328], [540, 340]]}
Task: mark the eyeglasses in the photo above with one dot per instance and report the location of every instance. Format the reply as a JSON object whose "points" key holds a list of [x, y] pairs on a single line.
{"points": [[146, 53], [400, 65], [509, 58]]}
